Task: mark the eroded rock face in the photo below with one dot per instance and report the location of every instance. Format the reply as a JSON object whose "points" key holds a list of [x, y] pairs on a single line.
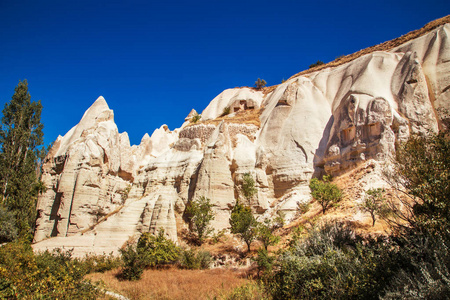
{"points": [[82, 175], [102, 191]]}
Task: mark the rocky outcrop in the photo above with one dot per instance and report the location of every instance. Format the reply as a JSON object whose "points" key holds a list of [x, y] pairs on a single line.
{"points": [[102, 191]]}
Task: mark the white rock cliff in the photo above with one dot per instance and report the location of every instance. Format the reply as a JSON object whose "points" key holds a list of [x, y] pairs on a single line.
{"points": [[102, 191]]}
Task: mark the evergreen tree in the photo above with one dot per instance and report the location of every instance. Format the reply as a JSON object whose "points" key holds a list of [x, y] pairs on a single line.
{"points": [[20, 139]]}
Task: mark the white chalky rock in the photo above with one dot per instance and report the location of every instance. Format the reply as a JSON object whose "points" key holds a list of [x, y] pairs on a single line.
{"points": [[102, 191]]}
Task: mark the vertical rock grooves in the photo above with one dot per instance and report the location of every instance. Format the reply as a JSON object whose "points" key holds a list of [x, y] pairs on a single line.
{"points": [[322, 121]]}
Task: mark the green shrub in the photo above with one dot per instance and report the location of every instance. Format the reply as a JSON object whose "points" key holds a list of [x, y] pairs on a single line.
{"points": [[125, 192], [250, 291], [326, 193], [427, 278], [264, 233], [375, 204], [243, 223], [248, 186], [318, 63], [217, 236], [196, 118], [205, 259], [194, 260], [8, 229], [134, 262], [100, 263], [303, 207], [159, 250], [47, 275], [331, 263], [260, 83], [278, 222], [150, 251], [200, 215], [226, 111], [264, 260]]}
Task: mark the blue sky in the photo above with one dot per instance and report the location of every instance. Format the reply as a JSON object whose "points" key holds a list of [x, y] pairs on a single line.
{"points": [[154, 61]]}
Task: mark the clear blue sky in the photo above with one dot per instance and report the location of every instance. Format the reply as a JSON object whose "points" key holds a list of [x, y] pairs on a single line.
{"points": [[154, 61]]}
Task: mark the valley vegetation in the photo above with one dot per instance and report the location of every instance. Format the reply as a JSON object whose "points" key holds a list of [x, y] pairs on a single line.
{"points": [[327, 260]]}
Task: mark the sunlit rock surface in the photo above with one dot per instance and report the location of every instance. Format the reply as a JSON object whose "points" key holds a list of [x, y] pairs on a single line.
{"points": [[102, 191]]}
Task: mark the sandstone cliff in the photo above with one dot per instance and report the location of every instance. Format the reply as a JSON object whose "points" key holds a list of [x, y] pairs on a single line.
{"points": [[101, 191]]}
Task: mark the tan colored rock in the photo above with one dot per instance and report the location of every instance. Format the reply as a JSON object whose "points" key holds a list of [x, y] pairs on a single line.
{"points": [[81, 174], [102, 191], [236, 99]]}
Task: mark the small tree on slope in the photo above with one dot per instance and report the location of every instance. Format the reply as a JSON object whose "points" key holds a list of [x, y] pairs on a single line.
{"points": [[200, 216], [243, 223], [326, 193]]}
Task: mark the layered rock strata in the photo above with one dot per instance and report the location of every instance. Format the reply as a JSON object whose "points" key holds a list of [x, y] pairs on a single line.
{"points": [[102, 191]]}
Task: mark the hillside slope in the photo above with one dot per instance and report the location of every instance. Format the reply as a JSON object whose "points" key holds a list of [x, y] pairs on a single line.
{"points": [[102, 191]]}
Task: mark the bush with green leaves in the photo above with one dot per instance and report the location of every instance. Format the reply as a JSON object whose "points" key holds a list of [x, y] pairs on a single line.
{"points": [[260, 83], [217, 236], [278, 222], [265, 234], [134, 260], [150, 251], [326, 193], [8, 228], [421, 221], [243, 223], [252, 290], [331, 263], [200, 215], [159, 249], [421, 171], [316, 64], [425, 267], [264, 260], [100, 263], [46, 275], [248, 186], [226, 111], [375, 204], [195, 118], [195, 260]]}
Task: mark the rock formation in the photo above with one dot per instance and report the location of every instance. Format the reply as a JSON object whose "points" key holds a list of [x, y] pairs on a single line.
{"points": [[102, 191]]}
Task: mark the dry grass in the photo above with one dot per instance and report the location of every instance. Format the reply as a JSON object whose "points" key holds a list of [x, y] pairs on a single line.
{"points": [[346, 209], [174, 283], [249, 116]]}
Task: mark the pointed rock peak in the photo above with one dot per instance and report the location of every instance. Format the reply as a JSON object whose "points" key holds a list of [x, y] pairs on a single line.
{"points": [[145, 138], [99, 105], [191, 114], [124, 139], [94, 111]]}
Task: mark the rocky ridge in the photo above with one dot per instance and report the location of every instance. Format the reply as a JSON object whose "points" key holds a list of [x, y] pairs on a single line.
{"points": [[102, 191]]}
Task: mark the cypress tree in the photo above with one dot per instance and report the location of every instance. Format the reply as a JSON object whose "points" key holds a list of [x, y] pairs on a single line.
{"points": [[20, 139]]}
